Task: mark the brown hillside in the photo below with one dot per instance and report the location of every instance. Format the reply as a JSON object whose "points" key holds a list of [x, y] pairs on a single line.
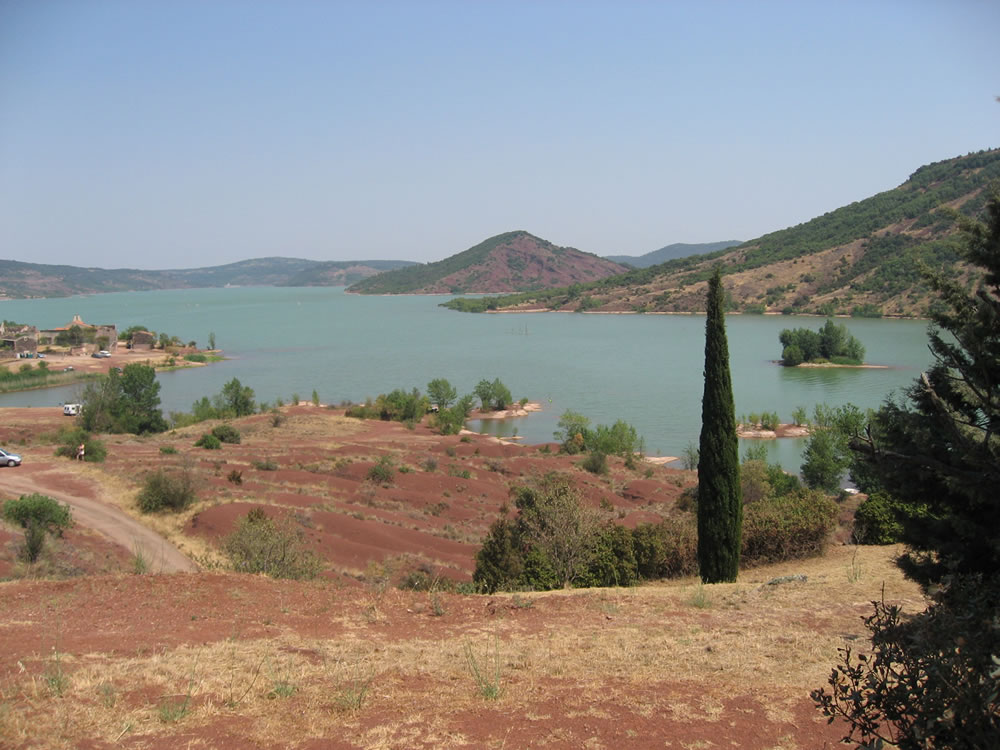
{"points": [[526, 262], [860, 259]]}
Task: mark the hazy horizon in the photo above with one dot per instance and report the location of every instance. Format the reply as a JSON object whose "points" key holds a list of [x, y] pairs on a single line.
{"points": [[170, 135]]}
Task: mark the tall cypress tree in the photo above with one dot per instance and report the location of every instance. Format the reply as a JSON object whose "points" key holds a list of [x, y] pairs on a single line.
{"points": [[720, 502]]}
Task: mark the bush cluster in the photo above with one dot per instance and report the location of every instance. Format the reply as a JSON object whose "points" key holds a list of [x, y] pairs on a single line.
{"points": [[209, 442], [226, 433], [576, 436], [381, 471], [493, 396], [162, 490], [70, 439], [768, 420], [235, 400], [881, 519], [831, 342], [518, 554], [397, 406], [262, 545]]}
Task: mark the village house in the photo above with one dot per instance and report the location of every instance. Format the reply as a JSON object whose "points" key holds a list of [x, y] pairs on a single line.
{"points": [[142, 340], [18, 341], [86, 339]]}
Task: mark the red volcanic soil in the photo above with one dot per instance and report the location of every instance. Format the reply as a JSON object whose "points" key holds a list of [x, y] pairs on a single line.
{"points": [[225, 661], [220, 660], [312, 467]]}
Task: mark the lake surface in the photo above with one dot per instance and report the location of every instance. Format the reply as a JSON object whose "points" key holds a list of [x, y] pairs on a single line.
{"points": [[645, 369]]}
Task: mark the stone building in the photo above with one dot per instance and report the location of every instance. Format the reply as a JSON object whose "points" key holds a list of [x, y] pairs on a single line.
{"points": [[16, 341], [94, 337]]}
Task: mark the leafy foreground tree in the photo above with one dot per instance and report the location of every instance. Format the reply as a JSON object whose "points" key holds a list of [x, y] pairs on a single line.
{"points": [[933, 680], [720, 507], [828, 453], [125, 402], [442, 393]]}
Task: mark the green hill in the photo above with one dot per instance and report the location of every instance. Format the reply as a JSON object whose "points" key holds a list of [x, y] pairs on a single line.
{"points": [[20, 280], [508, 262], [670, 252], [861, 259]]}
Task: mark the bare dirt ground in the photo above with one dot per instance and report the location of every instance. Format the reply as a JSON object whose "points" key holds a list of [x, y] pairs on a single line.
{"points": [[84, 363], [312, 467], [54, 479], [216, 660], [219, 660]]}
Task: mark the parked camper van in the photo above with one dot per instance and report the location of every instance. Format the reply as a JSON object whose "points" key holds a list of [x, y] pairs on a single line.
{"points": [[71, 410]]}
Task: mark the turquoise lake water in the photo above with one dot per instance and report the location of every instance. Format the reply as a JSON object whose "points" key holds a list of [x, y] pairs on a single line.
{"points": [[645, 369]]}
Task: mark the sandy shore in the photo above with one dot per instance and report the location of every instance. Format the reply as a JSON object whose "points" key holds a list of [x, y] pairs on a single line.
{"points": [[660, 460], [848, 367], [783, 431], [517, 411]]}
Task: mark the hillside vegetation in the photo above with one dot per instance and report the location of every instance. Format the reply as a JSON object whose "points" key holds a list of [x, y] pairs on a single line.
{"points": [[861, 259], [509, 262], [20, 280]]}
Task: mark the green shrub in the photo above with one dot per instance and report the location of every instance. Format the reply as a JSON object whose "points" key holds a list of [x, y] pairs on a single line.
{"points": [[595, 463], [397, 406], [226, 433], [931, 679], [166, 491], [168, 450], [38, 510], [208, 442], [381, 472], [70, 438], [195, 358], [34, 543], [612, 561], [877, 521], [261, 545], [793, 526], [266, 465], [668, 549]]}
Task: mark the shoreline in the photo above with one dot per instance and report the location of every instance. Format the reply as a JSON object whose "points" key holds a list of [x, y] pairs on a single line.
{"points": [[846, 367], [784, 430], [87, 368], [516, 411]]}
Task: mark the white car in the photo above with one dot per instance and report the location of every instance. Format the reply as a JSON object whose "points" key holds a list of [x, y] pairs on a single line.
{"points": [[9, 459]]}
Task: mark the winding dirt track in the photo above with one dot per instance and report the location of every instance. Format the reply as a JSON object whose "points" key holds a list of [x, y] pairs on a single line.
{"points": [[90, 511]]}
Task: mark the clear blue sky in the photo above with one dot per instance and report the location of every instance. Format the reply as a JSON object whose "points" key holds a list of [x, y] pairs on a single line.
{"points": [[173, 133]]}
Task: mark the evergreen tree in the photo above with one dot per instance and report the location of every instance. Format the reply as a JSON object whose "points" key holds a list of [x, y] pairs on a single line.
{"points": [[720, 506], [931, 679], [941, 451]]}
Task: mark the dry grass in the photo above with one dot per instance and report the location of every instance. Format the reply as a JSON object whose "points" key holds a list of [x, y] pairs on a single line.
{"points": [[397, 681]]}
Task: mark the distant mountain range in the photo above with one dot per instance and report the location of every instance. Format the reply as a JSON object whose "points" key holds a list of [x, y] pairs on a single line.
{"points": [[509, 262], [670, 252], [861, 259], [38, 280]]}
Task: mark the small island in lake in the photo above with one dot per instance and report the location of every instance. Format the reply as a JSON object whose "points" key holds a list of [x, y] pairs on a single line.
{"points": [[830, 346]]}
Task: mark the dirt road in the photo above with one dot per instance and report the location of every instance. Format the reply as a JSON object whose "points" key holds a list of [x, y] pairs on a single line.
{"points": [[83, 496]]}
